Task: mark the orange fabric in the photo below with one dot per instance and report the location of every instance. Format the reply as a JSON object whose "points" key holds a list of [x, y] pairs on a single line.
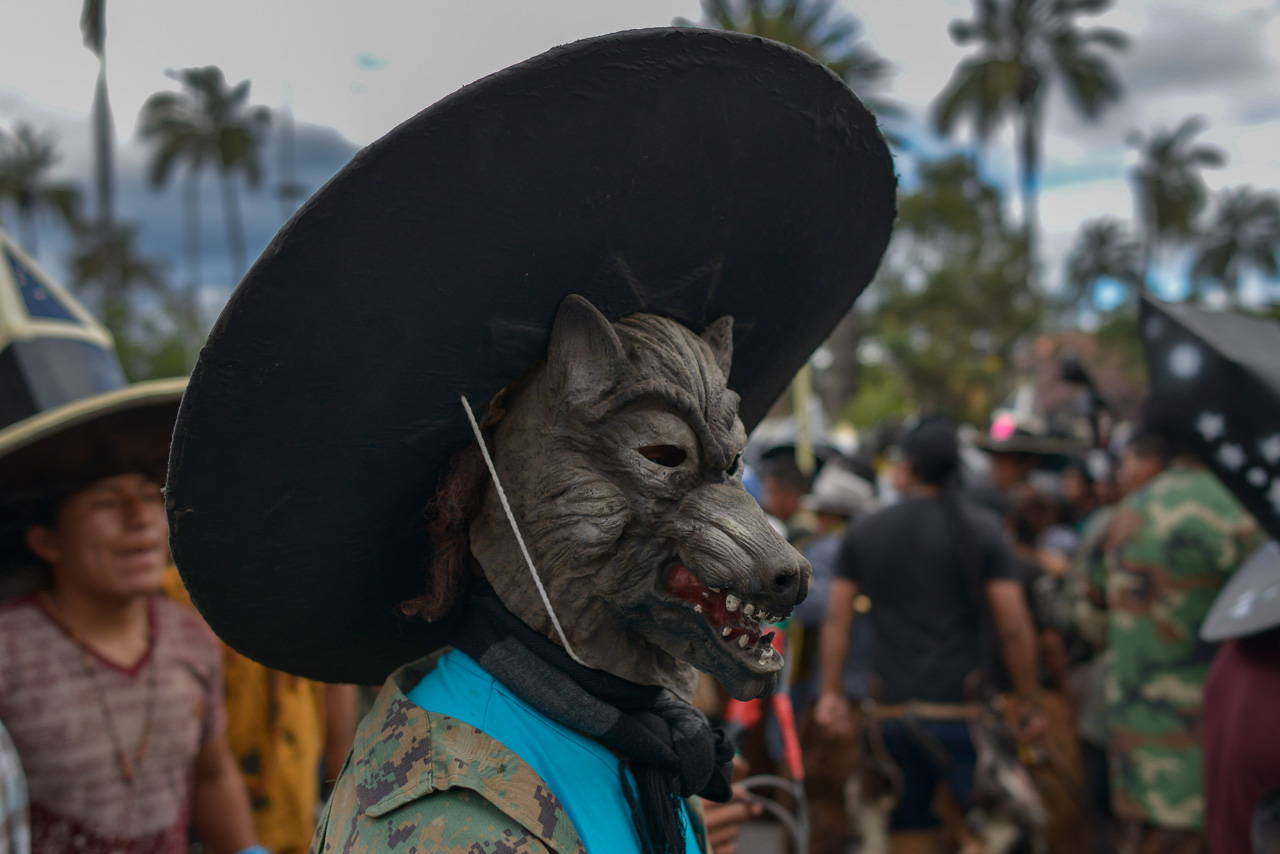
{"points": [[275, 726]]}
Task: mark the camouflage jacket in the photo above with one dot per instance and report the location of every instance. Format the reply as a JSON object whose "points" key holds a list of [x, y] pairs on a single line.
{"points": [[417, 781], [1169, 549]]}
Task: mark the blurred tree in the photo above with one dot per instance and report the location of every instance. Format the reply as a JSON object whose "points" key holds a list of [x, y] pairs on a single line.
{"points": [[1022, 45], [154, 328], [812, 27], [100, 252], [26, 159], [1243, 235], [950, 303], [207, 124], [1168, 190], [1103, 250]]}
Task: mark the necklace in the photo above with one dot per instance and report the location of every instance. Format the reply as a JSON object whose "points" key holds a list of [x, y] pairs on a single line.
{"points": [[127, 764]]}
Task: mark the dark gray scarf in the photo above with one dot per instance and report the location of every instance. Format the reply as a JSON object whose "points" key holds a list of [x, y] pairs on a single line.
{"points": [[671, 749]]}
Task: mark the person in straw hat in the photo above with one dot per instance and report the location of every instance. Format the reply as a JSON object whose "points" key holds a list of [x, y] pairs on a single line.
{"points": [[112, 695], [546, 310]]}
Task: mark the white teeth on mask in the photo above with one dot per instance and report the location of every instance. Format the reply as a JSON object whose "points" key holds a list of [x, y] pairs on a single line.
{"points": [[731, 603], [724, 633], [706, 595], [714, 589], [742, 641], [697, 609], [766, 653], [749, 609]]}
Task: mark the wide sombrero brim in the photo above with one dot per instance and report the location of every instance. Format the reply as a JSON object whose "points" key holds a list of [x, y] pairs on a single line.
{"points": [[688, 172], [62, 449]]}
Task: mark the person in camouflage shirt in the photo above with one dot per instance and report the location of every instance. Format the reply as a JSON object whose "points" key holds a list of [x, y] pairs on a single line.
{"points": [[1169, 549], [478, 794]]}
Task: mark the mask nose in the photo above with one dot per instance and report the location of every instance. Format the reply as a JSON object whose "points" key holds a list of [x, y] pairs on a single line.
{"points": [[791, 582]]}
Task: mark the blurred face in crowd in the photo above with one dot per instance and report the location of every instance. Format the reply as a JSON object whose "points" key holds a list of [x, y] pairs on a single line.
{"points": [[825, 523], [111, 539], [902, 477], [1009, 470], [1076, 489], [1136, 469], [781, 500]]}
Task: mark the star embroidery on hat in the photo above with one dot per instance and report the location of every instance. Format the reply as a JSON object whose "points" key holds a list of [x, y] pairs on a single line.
{"points": [[1211, 425], [1231, 456], [1257, 477], [1185, 361], [1270, 448]]}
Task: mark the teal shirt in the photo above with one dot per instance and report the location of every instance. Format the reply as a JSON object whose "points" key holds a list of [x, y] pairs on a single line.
{"points": [[582, 773]]}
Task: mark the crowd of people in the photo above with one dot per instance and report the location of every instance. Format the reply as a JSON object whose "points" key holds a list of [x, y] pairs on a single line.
{"points": [[1065, 593]]}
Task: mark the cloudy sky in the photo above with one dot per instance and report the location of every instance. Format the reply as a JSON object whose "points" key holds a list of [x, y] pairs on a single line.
{"points": [[352, 71]]}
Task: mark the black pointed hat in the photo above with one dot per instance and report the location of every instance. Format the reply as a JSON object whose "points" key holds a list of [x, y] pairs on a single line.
{"points": [[1215, 382], [686, 172]]}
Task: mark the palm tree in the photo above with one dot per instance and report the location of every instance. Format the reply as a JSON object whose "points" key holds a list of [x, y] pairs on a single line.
{"points": [[1022, 46], [26, 159], [153, 339], [1244, 234], [1103, 250], [207, 124], [1168, 189], [106, 260], [809, 26]]}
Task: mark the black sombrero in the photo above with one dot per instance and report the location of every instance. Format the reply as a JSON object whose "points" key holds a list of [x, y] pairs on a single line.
{"points": [[687, 172]]}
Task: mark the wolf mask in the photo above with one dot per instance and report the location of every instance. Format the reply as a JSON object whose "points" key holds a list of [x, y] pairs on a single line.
{"points": [[621, 456]]}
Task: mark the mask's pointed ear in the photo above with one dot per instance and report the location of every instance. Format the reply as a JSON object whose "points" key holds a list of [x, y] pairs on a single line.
{"points": [[586, 358], [719, 337]]}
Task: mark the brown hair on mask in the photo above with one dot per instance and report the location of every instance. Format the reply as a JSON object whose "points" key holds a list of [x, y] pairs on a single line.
{"points": [[448, 515]]}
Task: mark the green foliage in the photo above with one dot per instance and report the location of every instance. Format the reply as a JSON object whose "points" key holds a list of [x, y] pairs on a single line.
{"points": [[155, 334], [107, 267], [1170, 191], [1119, 337], [1244, 235], [1103, 250], [951, 301], [27, 158], [1022, 45], [880, 397], [149, 344]]}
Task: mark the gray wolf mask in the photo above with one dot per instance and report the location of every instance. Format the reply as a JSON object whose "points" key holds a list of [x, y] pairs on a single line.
{"points": [[621, 456]]}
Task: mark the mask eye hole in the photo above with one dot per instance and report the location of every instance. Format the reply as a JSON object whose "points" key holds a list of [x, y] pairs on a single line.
{"points": [[736, 465], [668, 456]]}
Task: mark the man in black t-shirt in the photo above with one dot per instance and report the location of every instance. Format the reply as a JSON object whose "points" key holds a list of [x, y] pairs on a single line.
{"points": [[941, 582]]}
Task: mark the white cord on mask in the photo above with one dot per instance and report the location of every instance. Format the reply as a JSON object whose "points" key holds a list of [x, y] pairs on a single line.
{"points": [[511, 518]]}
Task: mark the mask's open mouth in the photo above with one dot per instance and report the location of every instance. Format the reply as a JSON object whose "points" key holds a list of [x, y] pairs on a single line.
{"points": [[733, 617]]}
